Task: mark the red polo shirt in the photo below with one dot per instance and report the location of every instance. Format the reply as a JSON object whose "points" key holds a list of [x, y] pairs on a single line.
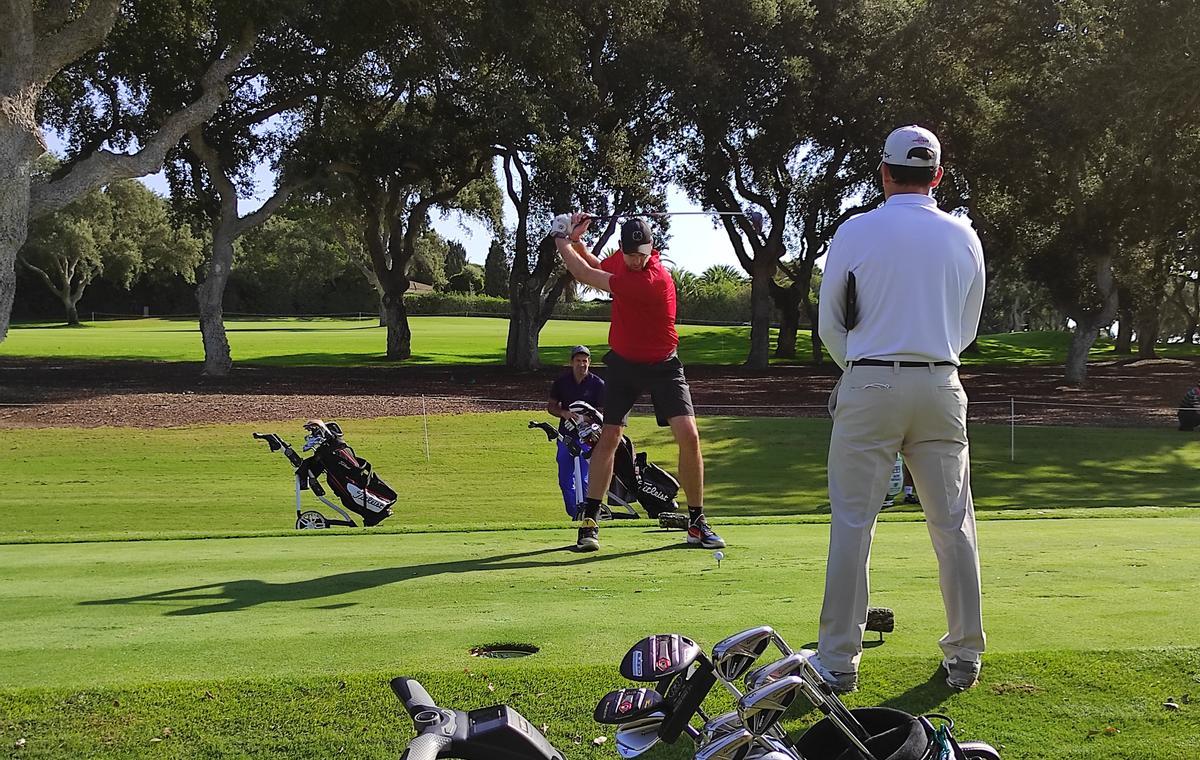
{"points": [[643, 310]]}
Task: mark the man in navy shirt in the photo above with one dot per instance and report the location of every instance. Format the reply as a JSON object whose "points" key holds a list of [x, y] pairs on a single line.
{"points": [[576, 384]]}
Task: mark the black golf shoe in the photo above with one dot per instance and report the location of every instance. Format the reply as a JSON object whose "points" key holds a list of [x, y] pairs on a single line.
{"points": [[588, 539]]}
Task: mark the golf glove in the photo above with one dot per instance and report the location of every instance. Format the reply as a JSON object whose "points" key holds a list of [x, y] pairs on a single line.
{"points": [[561, 227]]}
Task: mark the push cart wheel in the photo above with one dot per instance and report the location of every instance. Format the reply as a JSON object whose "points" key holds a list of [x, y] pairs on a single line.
{"points": [[311, 520]]}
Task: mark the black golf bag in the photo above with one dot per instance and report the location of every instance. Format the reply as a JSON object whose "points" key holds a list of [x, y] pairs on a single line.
{"points": [[350, 477], [1189, 409], [635, 480]]}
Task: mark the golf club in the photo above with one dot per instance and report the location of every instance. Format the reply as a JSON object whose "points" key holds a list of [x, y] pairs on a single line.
{"points": [[624, 705], [732, 746], [637, 736], [734, 655], [659, 656], [789, 665], [762, 708]]}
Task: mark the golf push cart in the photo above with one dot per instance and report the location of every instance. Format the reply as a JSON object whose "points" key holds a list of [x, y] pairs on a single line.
{"points": [[350, 477], [634, 478], [674, 677]]}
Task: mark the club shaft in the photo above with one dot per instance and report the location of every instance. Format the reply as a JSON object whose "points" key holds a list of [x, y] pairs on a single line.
{"points": [[607, 217]]}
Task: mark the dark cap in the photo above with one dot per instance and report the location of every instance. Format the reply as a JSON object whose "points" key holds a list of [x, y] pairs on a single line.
{"points": [[580, 350], [636, 236]]}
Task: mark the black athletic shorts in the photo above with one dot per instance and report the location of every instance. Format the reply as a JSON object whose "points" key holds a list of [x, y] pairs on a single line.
{"points": [[625, 381]]}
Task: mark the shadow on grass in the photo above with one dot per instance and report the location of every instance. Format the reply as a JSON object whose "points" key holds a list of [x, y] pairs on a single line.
{"points": [[924, 697], [230, 596]]}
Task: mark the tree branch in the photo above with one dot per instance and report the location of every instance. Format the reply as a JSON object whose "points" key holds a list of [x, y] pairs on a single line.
{"points": [[106, 166], [73, 40]]}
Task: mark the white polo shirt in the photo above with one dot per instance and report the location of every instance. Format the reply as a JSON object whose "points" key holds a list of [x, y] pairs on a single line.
{"points": [[919, 279]]}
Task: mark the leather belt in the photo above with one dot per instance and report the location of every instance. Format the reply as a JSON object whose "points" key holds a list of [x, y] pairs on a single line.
{"points": [[885, 363]]}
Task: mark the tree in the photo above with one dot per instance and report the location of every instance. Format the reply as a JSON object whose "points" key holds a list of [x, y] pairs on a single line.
{"points": [[41, 42], [119, 233], [497, 268], [468, 280], [773, 105], [456, 258], [587, 144]]}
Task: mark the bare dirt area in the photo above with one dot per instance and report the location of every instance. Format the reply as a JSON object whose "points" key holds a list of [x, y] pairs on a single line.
{"points": [[57, 393]]}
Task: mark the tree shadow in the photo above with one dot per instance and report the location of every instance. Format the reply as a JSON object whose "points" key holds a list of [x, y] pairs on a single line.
{"points": [[230, 596]]}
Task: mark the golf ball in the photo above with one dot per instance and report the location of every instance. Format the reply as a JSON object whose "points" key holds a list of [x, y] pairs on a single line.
{"points": [[718, 556]]}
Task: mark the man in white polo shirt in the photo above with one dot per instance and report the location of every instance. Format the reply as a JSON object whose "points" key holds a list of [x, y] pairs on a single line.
{"points": [[899, 391]]}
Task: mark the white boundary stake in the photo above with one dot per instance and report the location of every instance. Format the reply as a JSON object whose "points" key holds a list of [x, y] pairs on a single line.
{"points": [[425, 424], [1012, 429]]}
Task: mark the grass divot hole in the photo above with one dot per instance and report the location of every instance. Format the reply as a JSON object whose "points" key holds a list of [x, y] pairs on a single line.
{"points": [[504, 651]]}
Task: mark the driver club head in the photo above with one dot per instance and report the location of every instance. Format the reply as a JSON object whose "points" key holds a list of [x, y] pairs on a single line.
{"points": [[732, 746], [734, 655], [762, 708], [637, 736], [657, 657], [789, 665], [624, 705]]}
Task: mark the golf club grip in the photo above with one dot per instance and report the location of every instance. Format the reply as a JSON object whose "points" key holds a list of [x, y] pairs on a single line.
{"points": [[426, 746], [410, 692]]}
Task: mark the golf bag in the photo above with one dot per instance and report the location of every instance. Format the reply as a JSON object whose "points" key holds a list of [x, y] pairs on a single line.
{"points": [[635, 480], [1189, 409], [893, 735], [350, 477]]}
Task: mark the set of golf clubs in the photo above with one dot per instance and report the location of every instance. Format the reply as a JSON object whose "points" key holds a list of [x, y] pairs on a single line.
{"points": [[684, 675]]}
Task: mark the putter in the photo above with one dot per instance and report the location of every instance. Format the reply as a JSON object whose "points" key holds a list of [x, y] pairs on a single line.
{"points": [[625, 705]]}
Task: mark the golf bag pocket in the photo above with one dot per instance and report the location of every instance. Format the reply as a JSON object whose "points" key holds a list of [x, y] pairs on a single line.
{"points": [[658, 490], [373, 496]]}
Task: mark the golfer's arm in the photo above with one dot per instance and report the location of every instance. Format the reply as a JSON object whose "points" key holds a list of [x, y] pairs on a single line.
{"points": [[582, 250], [831, 316], [580, 269]]}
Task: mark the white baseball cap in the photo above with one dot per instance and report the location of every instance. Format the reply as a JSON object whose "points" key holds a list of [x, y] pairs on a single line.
{"points": [[912, 146]]}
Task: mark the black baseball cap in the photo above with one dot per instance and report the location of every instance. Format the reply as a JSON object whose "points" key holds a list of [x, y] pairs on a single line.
{"points": [[636, 237]]}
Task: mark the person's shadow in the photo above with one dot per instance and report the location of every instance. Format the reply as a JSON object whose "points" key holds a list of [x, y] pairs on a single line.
{"points": [[230, 596]]}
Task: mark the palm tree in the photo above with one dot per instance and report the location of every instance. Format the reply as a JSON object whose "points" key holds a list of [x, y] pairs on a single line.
{"points": [[719, 274]]}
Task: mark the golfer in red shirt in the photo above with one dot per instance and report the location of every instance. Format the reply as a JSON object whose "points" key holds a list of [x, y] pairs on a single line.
{"points": [[643, 357]]}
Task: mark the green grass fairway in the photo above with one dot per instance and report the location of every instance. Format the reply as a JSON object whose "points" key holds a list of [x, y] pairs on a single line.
{"points": [[120, 640], [440, 340], [281, 646], [489, 470]]}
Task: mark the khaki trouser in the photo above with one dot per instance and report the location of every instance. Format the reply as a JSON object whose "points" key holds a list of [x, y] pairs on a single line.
{"points": [[922, 412]]}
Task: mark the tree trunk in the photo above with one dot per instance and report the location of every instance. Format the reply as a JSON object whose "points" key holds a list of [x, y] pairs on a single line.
{"points": [[818, 356], [1124, 341], [18, 150], [522, 350], [211, 295], [1082, 341], [399, 334], [787, 303], [1148, 328], [760, 311], [69, 306]]}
